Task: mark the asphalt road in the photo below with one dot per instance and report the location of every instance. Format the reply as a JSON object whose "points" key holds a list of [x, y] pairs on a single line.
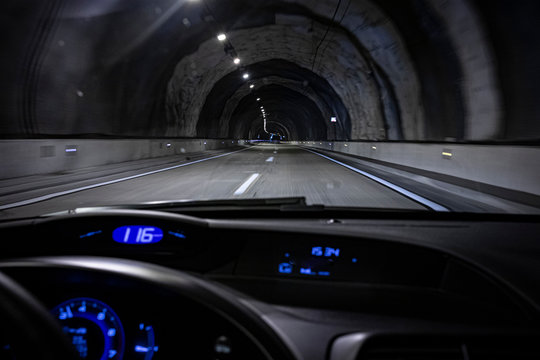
{"points": [[262, 171]]}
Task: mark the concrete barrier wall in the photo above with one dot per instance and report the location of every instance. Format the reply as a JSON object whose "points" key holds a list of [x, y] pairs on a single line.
{"points": [[30, 157], [511, 167]]}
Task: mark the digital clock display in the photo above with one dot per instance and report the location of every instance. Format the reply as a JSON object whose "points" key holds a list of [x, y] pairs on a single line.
{"points": [[313, 261], [137, 234]]}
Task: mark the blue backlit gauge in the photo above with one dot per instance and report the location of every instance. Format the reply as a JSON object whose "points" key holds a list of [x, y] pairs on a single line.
{"points": [[93, 328], [145, 342]]}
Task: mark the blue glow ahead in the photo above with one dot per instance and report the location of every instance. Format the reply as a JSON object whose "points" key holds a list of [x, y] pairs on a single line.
{"points": [[285, 268], [177, 234], [137, 234], [92, 233], [324, 273]]}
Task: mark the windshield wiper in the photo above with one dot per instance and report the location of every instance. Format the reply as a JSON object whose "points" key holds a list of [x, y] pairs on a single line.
{"points": [[285, 203], [287, 207], [280, 204]]}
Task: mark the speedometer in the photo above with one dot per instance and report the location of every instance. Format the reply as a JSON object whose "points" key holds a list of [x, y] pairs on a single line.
{"points": [[93, 327]]}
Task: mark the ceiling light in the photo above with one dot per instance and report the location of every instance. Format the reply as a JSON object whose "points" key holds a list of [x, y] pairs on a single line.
{"points": [[222, 37], [251, 86], [245, 76], [258, 99], [236, 61]]}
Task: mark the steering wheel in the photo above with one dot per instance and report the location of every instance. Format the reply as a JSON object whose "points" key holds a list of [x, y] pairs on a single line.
{"points": [[34, 327], [27, 326]]}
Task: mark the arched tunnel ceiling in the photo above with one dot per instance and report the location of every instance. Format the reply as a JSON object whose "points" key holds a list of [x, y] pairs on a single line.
{"points": [[365, 61], [387, 69], [216, 118], [297, 114], [348, 68]]}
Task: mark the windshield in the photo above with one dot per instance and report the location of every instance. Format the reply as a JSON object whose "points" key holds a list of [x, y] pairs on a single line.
{"points": [[389, 105]]}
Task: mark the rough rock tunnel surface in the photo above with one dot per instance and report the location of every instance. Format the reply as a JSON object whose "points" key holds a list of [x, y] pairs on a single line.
{"points": [[385, 70]]}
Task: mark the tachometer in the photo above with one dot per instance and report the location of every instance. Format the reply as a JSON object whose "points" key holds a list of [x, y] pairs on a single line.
{"points": [[93, 327]]}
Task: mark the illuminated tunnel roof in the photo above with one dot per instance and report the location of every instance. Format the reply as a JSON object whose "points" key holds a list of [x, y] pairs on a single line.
{"points": [[386, 70]]}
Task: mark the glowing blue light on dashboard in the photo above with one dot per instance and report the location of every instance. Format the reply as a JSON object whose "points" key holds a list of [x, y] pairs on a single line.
{"points": [[331, 252], [285, 268], [325, 252], [75, 316], [80, 331], [145, 349], [324, 273], [141, 349], [92, 233], [137, 234], [306, 271], [177, 234]]}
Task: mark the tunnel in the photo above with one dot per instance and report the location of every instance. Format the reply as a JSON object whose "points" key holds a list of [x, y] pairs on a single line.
{"points": [[384, 70], [426, 99]]}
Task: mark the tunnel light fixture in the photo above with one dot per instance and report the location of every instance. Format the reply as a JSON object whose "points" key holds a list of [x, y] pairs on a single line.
{"points": [[245, 76], [374, 147], [258, 99], [447, 154], [251, 86], [222, 37], [333, 119], [236, 61]]}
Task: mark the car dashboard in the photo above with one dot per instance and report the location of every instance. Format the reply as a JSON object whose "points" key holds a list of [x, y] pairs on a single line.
{"points": [[141, 284]]}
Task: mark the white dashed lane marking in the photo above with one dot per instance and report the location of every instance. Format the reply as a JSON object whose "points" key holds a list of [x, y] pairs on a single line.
{"points": [[242, 188]]}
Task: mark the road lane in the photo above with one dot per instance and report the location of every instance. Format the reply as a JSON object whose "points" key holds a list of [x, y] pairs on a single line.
{"points": [[246, 174], [411, 195]]}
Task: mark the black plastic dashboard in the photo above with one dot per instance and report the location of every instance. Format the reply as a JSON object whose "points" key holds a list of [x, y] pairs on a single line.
{"points": [[308, 278]]}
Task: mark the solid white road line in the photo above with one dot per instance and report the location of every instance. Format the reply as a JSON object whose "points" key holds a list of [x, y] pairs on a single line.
{"points": [[242, 188], [270, 159], [422, 200], [61, 193]]}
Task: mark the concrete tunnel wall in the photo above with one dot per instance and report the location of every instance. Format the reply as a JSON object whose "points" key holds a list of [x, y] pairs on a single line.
{"points": [[47, 156], [432, 69], [481, 164], [454, 71]]}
